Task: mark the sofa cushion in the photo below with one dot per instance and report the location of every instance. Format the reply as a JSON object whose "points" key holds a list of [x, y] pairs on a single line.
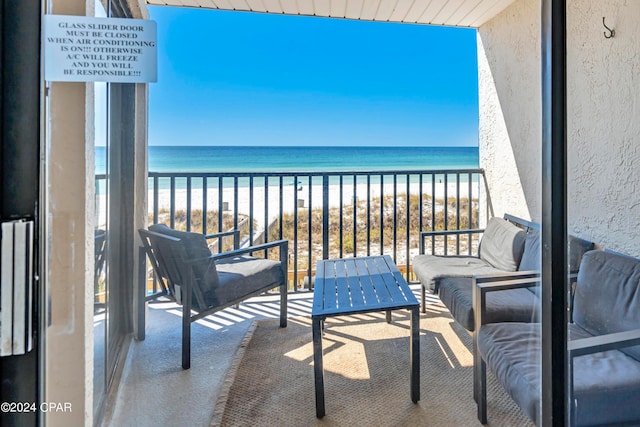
{"points": [[512, 305], [195, 247], [532, 254], [607, 296], [431, 268], [606, 385], [502, 244]]}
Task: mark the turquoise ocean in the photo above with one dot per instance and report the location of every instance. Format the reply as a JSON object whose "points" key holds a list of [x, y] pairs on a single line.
{"points": [[302, 159], [225, 159]]}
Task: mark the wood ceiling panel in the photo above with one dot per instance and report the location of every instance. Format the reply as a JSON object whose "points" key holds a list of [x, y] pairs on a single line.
{"points": [[354, 9], [385, 9], [290, 7], [416, 10], [256, 5], [223, 4], [189, 3], [463, 11], [338, 8], [305, 7], [239, 5], [466, 13], [272, 6], [369, 9], [447, 11], [485, 11], [401, 10], [432, 11], [322, 7]]}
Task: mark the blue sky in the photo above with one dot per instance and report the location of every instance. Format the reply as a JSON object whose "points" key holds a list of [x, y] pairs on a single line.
{"points": [[238, 78]]}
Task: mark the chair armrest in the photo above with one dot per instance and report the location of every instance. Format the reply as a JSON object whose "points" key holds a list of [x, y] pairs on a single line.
{"points": [[597, 344], [236, 252], [506, 280], [485, 284], [446, 233], [221, 234], [234, 232]]}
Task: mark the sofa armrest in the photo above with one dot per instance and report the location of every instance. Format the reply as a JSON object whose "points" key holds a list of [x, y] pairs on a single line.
{"points": [[600, 343], [445, 233]]}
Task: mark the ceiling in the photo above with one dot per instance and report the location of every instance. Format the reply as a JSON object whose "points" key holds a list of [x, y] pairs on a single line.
{"points": [[459, 13]]}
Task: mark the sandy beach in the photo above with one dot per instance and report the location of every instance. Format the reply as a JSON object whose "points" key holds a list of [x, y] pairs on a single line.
{"points": [[270, 203], [302, 198]]}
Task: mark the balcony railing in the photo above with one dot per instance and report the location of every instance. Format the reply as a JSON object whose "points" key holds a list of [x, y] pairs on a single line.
{"points": [[324, 215]]}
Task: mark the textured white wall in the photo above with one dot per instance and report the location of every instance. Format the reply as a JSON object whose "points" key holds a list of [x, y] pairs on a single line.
{"points": [[603, 127], [510, 105], [604, 122]]}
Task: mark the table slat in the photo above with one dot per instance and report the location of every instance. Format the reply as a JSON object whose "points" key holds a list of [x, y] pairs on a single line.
{"points": [[355, 285], [342, 285], [391, 282]]}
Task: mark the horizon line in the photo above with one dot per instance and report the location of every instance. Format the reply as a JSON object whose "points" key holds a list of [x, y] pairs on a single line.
{"points": [[314, 146]]}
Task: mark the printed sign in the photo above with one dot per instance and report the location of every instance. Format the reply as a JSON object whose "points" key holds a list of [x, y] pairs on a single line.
{"points": [[88, 49]]}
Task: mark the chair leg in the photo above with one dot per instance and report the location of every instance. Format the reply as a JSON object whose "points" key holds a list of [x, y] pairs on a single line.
{"points": [[142, 292], [283, 305], [186, 324], [186, 337], [482, 391], [424, 298]]}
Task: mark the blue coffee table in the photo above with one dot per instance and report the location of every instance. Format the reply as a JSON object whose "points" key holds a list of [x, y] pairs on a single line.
{"points": [[348, 286]]}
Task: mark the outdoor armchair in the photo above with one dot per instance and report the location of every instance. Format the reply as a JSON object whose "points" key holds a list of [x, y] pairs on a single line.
{"points": [[204, 282], [603, 347]]}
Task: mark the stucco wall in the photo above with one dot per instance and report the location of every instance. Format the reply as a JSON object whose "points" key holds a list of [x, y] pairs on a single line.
{"points": [[603, 130], [603, 124], [510, 105]]}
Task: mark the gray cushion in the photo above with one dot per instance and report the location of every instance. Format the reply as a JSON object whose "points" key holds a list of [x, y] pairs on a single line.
{"points": [[606, 385], [607, 296], [502, 244], [244, 275], [512, 305], [532, 254], [577, 248], [195, 247], [431, 268]]}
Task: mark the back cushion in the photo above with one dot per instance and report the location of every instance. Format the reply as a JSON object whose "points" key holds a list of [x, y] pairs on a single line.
{"points": [[577, 248], [532, 254], [607, 297], [502, 244], [196, 247]]}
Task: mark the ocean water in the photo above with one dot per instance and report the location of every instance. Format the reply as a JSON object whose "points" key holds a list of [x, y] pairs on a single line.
{"points": [[303, 159]]}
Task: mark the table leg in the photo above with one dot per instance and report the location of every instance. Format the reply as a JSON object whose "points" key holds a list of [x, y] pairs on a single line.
{"points": [[317, 366], [388, 316], [414, 349]]}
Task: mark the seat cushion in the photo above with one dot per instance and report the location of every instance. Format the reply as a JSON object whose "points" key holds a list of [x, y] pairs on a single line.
{"points": [[513, 305], [431, 268], [502, 244], [512, 353], [245, 275], [606, 385]]}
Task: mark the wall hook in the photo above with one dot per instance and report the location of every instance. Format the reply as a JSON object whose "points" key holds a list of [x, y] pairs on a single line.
{"points": [[612, 32]]}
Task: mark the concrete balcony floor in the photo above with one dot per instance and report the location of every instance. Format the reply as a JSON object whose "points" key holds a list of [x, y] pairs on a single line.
{"points": [[155, 390]]}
